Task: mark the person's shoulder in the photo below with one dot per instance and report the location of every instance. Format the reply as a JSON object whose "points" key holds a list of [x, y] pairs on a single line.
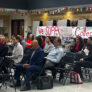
{"points": [[40, 49], [19, 45]]}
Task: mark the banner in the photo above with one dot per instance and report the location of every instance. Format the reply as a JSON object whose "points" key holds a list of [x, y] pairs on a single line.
{"points": [[54, 31], [64, 32], [84, 32]]}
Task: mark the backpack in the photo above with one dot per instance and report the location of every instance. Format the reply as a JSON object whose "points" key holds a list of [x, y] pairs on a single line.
{"points": [[75, 78]]}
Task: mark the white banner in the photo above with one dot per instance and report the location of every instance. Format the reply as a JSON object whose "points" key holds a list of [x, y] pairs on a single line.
{"points": [[54, 31], [84, 32], [69, 32]]}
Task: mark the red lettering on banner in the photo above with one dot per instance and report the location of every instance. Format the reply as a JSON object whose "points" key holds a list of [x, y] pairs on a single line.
{"points": [[40, 31], [83, 33], [47, 31], [52, 29], [57, 30]]}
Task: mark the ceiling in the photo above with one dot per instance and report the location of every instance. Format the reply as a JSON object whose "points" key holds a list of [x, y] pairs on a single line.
{"points": [[39, 4]]}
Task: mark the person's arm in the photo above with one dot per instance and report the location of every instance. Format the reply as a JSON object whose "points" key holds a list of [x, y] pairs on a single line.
{"points": [[28, 44], [26, 65], [58, 57], [39, 60], [50, 48], [88, 58]]}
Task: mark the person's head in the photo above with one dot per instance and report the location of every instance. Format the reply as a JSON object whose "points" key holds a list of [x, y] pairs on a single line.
{"points": [[48, 39], [2, 39], [12, 37], [30, 37], [79, 40], [57, 42], [39, 41], [21, 37], [35, 44], [43, 38], [28, 34], [16, 39], [89, 41]]}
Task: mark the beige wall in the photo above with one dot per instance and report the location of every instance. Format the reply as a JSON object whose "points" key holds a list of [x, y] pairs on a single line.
{"points": [[6, 19], [28, 19], [69, 15], [7, 22]]}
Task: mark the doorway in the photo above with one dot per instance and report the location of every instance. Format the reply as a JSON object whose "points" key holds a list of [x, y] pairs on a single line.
{"points": [[17, 27]]}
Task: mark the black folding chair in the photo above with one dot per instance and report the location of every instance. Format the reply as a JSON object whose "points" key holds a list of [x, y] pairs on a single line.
{"points": [[35, 75], [3, 76], [68, 60]]}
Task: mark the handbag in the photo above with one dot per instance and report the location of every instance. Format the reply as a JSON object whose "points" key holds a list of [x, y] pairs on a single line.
{"points": [[44, 82]]}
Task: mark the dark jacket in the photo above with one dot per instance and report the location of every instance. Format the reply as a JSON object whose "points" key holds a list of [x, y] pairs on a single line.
{"points": [[89, 57], [37, 58], [79, 49], [3, 51]]}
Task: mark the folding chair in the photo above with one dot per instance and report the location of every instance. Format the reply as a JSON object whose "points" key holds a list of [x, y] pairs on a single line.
{"points": [[35, 75], [68, 59], [3, 76]]}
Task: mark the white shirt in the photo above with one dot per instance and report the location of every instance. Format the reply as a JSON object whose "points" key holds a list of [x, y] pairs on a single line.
{"points": [[48, 47], [17, 53]]}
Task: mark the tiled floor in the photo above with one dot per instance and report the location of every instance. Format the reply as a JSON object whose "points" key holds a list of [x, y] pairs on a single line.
{"points": [[85, 87]]}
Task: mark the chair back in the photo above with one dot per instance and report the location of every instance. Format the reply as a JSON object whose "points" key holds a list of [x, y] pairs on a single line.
{"points": [[68, 58]]}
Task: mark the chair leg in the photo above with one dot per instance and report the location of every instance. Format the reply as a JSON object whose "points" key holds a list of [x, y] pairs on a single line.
{"points": [[66, 76]]}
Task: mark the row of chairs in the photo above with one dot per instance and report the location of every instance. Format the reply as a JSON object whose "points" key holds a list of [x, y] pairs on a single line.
{"points": [[67, 68]]}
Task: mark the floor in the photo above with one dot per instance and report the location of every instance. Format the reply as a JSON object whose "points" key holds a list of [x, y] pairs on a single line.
{"points": [[58, 87]]}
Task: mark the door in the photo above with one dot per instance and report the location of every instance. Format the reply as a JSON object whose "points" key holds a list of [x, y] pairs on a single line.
{"points": [[21, 27], [17, 27]]}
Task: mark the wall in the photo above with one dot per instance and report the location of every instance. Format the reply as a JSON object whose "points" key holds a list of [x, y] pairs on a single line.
{"points": [[6, 19], [68, 15], [28, 19]]}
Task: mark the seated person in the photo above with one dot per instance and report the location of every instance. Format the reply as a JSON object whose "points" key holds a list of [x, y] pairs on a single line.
{"points": [[3, 53], [23, 42], [3, 47], [17, 53], [54, 55], [29, 41], [48, 45], [34, 63], [86, 61], [79, 45]]}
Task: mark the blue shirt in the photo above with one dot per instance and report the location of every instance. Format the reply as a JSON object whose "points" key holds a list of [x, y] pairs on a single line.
{"points": [[55, 54], [23, 43]]}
